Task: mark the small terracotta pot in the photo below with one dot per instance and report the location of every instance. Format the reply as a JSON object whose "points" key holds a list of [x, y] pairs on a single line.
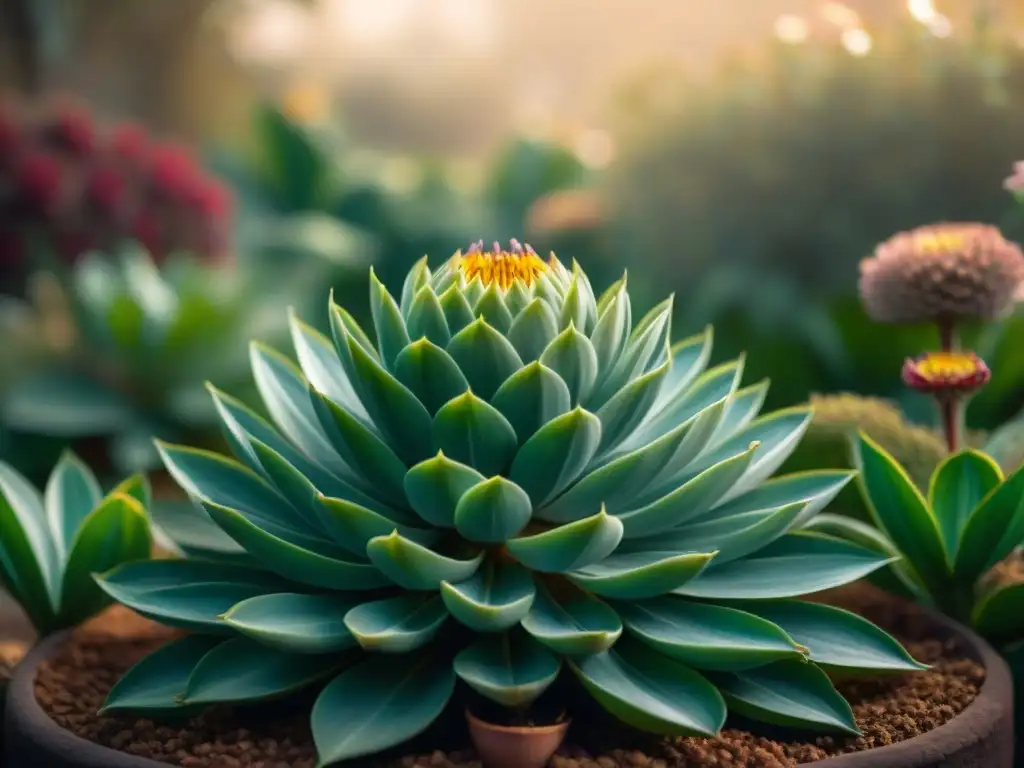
{"points": [[503, 746]]}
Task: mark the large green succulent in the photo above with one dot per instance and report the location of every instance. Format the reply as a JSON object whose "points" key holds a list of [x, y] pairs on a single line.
{"points": [[509, 479]]}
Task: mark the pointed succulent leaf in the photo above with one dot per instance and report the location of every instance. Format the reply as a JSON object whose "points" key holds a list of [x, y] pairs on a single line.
{"points": [[157, 683], [706, 636], [612, 331], [72, 492], [624, 411], [397, 624], [193, 533], [28, 560], [392, 335], [190, 594], [137, 486], [473, 290], [572, 357], [741, 409], [690, 357], [790, 693], [430, 373], [639, 575], [901, 512], [415, 281], [352, 525], [497, 597], [434, 487], [530, 398], [295, 487], [322, 368], [457, 309], [651, 692], [646, 344], [556, 454], [492, 511], [688, 501], [815, 488], [589, 300], [575, 624], [295, 623], [115, 532], [611, 292], [345, 327], [517, 297], [999, 614], [491, 307], [325, 568], [569, 547], [485, 356], [994, 528], [574, 307], [533, 330], [796, 564], [473, 432], [383, 700], [426, 318], [242, 669], [511, 669], [413, 566], [836, 638], [958, 485]]}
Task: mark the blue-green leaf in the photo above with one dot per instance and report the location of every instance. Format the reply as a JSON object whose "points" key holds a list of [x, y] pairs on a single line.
{"points": [[492, 511], [742, 408], [491, 307], [569, 547], [646, 345], [430, 373], [392, 336], [434, 487], [816, 489], [575, 624], [382, 701], [639, 575], [511, 669], [295, 623], [415, 281], [352, 525], [612, 331], [397, 624], [533, 330], [957, 486], [627, 408], [485, 356], [530, 398], [497, 597], [323, 369], [473, 432], [72, 492], [572, 357], [426, 318], [706, 636], [651, 692], [556, 454], [413, 566], [457, 309]]}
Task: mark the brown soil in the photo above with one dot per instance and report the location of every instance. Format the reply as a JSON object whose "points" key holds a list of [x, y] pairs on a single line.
{"points": [[73, 686]]}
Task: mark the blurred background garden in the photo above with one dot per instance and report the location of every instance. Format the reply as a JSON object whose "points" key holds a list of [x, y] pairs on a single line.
{"points": [[175, 176]]}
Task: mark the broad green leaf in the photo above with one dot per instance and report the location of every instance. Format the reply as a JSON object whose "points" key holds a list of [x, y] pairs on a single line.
{"points": [[994, 528], [572, 357], [688, 501], [473, 432], [382, 701], [706, 636], [115, 532], [457, 310], [651, 692], [836, 638], [530, 398], [415, 281], [511, 669], [497, 597], [413, 566], [816, 489], [352, 525], [796, 564], [28, 560], [392, 336], [612, 331], [571, 546], [193, 533], [434, 487], [492, 511], [639, 575], [899, 510], [398, 624], [323, 369], [556, 454], [628, 408], [243, 670], [999, 614], [533, 330], [426, 318], [430, 373], [72, 492], [294, 486], [573, 624], [137, 486], [295, 623], [189, 594], [158, 681], [380, 470], [293, 561], [485, 356], [491, 307], [958, 485], [790, 693]]}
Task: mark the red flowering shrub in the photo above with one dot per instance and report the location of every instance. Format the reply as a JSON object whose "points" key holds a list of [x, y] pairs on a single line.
{"points": [[77, 185]]}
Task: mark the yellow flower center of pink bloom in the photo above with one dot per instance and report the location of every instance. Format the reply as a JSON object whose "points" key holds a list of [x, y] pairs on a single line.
{"points": [[927, 243], [502, 267], [947, 365]]}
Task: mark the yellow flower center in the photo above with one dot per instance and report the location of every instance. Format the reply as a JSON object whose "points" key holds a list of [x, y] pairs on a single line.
{"points": [[502, 266], [944, 365], [940, 241]]}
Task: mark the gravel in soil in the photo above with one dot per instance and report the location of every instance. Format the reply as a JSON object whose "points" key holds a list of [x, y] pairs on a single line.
{"points": [[888, 709]]}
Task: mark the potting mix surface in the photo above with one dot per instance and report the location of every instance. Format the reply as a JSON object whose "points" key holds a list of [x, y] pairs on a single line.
{"points": [[74, 684]]}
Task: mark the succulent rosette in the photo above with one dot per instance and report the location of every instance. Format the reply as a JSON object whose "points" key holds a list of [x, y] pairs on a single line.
{"points": [[504, 480]]}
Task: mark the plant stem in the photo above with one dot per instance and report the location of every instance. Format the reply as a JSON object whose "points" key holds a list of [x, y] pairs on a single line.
{"points": [[952, 408], [947, 334]]}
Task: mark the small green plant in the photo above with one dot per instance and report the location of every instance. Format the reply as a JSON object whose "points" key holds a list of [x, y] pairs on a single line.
{"points": [[509, 479], [54, 541]]}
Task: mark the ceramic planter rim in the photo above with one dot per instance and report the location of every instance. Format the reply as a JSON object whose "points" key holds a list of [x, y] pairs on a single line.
{"points": [[988, 718]]}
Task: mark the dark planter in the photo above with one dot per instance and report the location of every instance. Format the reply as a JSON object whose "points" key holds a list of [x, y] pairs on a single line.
{"points": [[980, 737]]}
